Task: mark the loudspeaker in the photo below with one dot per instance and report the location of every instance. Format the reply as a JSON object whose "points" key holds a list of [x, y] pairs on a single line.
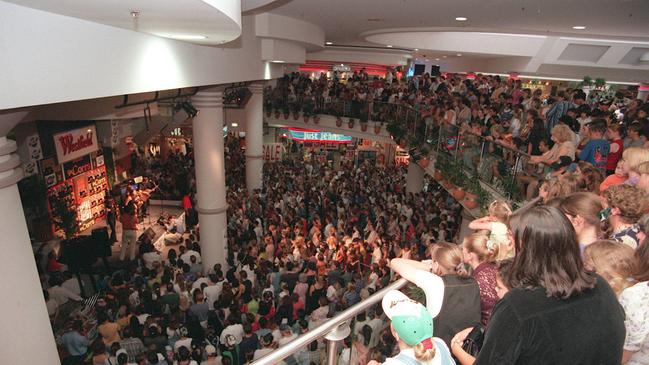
{"points": [[420, 69], [101, 242], [149, 232], [434, 70]]}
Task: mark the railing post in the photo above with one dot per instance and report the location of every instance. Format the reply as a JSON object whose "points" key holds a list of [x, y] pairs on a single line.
{"points": [[333, 339]]}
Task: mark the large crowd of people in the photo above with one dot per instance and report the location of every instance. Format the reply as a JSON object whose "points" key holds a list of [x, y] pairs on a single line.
{"points": [[564, 281]]}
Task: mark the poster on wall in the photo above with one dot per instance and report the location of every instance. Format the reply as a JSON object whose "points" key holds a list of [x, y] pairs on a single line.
{"points": [[114, 133], [34, 147], [75, 143], [77, 167], [30, 168], [100, 160], [50, 180]]}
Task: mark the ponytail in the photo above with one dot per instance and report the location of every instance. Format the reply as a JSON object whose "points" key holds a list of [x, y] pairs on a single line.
{"points": [[423, 354], [485, 249]]}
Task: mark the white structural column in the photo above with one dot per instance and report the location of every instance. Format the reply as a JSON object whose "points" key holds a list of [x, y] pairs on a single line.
{"points": [[27, 337], [210, 176], [414, 178], [255, 138]]}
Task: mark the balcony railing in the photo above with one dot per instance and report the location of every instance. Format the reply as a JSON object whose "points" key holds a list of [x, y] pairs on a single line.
{"points": [[497, 164], [334, 330]]}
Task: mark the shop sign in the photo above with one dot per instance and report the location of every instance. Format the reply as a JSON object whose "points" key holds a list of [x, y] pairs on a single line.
{"points": [[75, 143], [273, 152], [309, 135], [77, 167]]}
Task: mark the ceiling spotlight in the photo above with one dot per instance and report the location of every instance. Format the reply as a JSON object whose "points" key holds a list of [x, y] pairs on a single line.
{"points": [[416, 49], [460, 19], [459, 55], [234, 125], [437, 59], [187, 107], [329, 43], [277, 61], [389, 46], [579, 27]]}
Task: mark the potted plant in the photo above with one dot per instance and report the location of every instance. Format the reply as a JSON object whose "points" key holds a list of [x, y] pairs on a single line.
{"points": [[458, 178], [296, 111], [363, 122], [316, 119], [285, 111], [351, 122]]}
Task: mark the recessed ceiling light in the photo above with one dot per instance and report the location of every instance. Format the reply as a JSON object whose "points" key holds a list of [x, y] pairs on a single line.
{"points": [[579, 27], [459, 55], [460, 19], [389, 46], [437, 59], [416, 49], [234, 125], [329, 43], [277, 61], [185, 37]]}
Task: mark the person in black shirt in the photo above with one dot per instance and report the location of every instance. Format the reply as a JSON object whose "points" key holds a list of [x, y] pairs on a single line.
{"points": [[557, 312]]}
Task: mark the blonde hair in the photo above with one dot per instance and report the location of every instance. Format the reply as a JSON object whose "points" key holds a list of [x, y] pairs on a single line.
{"points": [[634, 156], [449, 257], [478, 243], [613, 260], [501, 210], [422, 354], [642, 169], [562, 132], [563, 186]]}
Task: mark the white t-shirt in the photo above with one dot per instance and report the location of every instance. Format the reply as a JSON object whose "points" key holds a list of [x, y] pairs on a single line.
{"points": [[186, 257], [186, 342], [61, 295], [212, 293], [635, 301]]}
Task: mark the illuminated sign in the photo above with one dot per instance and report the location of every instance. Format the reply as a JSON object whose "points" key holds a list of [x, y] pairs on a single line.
{"points": [[311, 135], [75, 143]]}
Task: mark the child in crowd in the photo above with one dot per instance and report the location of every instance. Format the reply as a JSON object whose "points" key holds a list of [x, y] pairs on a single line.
{"points": [[597, 149], [497, 223], [616, 150]]}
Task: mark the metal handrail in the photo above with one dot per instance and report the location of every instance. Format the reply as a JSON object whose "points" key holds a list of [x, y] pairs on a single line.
{"points": [[326, 328]]}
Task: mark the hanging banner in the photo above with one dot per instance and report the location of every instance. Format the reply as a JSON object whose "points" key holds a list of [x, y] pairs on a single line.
{"points": [[34, 147], [311, 135], [75, 143], [273, 152]]}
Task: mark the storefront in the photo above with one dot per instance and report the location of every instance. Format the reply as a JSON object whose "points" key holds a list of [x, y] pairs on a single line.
{"points": [[75, 178]]}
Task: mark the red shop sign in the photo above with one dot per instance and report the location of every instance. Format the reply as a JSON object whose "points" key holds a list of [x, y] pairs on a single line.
{"points": [[75, 143]]}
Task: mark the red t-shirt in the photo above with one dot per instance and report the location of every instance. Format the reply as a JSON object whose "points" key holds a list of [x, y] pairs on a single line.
{"points": [[187, 203], [614, 157]]}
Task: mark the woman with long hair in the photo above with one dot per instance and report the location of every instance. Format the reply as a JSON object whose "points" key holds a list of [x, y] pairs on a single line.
{"points": [[582, 210], [556, 312]]}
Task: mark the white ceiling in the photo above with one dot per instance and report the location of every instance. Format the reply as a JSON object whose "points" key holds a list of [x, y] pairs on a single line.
{"points": [[218, 20], [345, 21]]}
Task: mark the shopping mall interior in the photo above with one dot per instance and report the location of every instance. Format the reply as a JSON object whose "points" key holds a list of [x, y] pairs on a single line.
{"points": [[229, 182]]}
